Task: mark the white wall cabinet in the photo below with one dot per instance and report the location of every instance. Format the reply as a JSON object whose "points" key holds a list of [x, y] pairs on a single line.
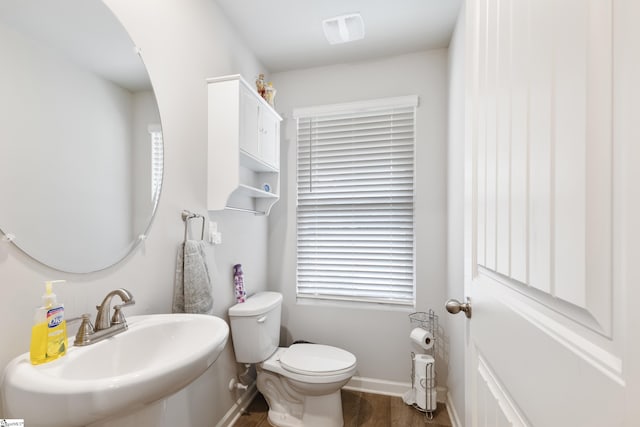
{"points": [[244, 147]]}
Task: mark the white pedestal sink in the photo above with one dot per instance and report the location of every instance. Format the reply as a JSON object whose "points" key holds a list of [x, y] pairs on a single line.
{"points": [[122, 377]]}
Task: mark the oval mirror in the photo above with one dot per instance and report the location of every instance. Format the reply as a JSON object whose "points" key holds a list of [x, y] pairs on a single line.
{"points": [[81, 162]]}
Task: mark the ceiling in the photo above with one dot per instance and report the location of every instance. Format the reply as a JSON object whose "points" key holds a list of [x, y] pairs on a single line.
{"points": [[287, 34]]}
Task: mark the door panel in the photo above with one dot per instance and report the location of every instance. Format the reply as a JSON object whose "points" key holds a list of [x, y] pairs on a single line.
{"points": [[539, 214], [549, 375], [547, 139], [495, 408]]}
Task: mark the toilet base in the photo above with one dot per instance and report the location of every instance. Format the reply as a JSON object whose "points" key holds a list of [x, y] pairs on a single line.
{"points": [[288, 408], [319, 411], [323, 410]]}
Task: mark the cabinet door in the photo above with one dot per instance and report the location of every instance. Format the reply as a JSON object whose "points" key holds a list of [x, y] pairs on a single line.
{"points": [[270, 139], [249, 122]]}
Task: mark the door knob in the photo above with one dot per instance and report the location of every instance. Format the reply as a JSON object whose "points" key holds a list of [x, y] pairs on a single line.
{"points": [[454, 306]]}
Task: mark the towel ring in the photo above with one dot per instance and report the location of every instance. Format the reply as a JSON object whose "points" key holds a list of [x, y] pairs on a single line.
{"points": [[186, 216]]}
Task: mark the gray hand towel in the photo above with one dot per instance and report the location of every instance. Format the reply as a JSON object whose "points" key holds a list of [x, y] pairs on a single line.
{"points": [[192, 292]]}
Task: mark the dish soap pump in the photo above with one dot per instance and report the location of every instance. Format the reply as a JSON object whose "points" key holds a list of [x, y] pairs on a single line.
{"points": [[49, 332]]}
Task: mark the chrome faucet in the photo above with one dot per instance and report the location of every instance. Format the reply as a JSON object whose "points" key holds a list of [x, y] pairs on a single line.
{"points": [[105, 326], [102, 319]]}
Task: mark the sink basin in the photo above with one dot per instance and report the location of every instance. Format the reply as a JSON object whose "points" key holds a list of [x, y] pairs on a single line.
{"points": [[157, 356]]}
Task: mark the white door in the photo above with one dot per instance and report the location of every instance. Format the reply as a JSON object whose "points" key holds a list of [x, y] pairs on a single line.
{"points": [[552, 213]]}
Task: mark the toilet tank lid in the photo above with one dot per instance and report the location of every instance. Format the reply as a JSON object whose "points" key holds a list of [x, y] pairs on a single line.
{"points": [[258, 303]]}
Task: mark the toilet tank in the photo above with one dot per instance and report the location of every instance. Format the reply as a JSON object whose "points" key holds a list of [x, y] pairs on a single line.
{"points": [[255, 327]]}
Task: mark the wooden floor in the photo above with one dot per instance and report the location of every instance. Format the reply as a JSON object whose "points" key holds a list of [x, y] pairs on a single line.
{"points": [[359, 410]]}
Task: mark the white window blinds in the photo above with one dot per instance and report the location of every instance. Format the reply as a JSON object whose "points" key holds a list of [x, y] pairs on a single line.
{"points": [[157, 161], [355, 235]]}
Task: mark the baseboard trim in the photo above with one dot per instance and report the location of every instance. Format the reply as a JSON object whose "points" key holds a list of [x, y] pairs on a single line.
{"points": [[453, 413], [377, 386], [238, 407]]}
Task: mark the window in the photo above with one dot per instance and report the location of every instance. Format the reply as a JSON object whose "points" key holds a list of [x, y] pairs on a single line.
{"points": [[157, 156], [355, 180]]}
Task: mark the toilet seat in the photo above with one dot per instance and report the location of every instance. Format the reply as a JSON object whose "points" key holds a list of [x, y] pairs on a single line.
{"points": [[310, 376], [317, 360]]}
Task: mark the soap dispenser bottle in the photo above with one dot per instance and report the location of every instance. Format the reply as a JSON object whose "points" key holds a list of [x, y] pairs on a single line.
{"points": [[49, 332]]}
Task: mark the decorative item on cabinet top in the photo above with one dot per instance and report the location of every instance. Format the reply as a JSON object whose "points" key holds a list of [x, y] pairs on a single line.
{"points": [[243, 149]]}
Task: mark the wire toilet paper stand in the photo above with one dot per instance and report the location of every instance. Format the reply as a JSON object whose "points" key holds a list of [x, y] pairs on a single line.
{"points": [[428, 321]]}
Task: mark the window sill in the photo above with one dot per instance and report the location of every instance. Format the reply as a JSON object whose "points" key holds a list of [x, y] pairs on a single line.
{"points": [[336, 303]]}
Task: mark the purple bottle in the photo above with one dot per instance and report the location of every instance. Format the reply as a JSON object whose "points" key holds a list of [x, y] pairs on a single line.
{"points": [[238, 283]]}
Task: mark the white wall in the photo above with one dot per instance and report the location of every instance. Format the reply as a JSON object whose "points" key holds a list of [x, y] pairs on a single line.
{"points": [[377, 336], [183, 42], [455, 206]]}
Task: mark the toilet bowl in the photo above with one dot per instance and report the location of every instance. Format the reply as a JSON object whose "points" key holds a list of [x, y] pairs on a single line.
{"points": [[301, 383]]}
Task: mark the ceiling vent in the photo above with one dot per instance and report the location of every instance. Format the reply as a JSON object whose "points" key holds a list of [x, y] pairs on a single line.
{"points": [[343, 29]]}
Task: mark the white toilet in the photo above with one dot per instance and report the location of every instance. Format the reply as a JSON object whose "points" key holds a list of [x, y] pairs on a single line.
{"points": [[301, 383]]}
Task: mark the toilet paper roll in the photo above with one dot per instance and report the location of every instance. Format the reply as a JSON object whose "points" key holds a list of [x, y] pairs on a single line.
{"points": [[421, 337], [424, 381]]}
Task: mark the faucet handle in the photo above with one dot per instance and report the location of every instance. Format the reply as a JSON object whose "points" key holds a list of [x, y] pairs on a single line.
{"points": [[84, 331], [118, 317]]}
